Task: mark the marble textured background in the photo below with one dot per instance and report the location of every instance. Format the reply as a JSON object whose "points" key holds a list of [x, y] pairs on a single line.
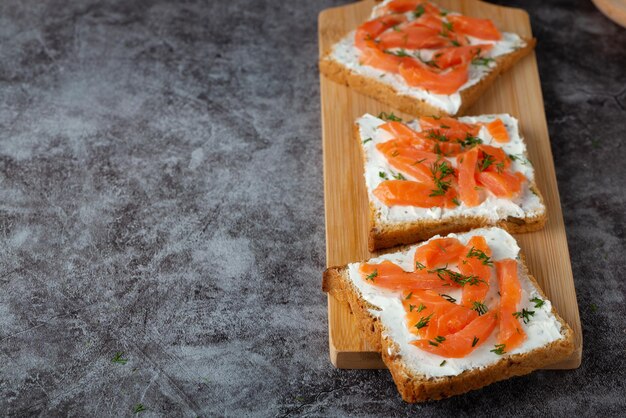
{"points": [[161, 196]]}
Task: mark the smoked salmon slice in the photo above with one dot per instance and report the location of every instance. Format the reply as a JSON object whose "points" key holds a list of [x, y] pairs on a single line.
{"points": [[429, 314], [463, 342], [498, 131], [511, 333], [419, 6], [447, 57], [371, 29], [449, 127], [476, 263], [412, 193], [478, 28], [466, 163], [411, 161], [388, 275], [412, 36], [438, 252], [378, 59], [503, 184], [447, 82]]}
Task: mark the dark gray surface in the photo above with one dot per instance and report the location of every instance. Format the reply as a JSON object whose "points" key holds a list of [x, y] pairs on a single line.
{"points": [[161, 195]]}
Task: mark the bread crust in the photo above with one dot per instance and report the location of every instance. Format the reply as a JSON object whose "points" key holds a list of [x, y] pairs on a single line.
{"points": [[420, 388], [388, 95], [386, 234]]}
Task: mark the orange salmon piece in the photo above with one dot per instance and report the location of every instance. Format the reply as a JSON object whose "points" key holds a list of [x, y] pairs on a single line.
{"points": [[453, 55], [388, 275], [411, 138], [438, 252], [428, 314], [403, 6], [412, 36], [376, 58], [503, 184], [478, 28], [463, 342], [511, 333], [498, 131], [498, 160], [411, 193], [475, 262], [449, 127], [409, 160], [370, 30], [466, 164], [447, 82]]}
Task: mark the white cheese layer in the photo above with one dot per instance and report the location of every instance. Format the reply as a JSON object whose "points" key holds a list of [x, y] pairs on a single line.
{"points": [[493, 208], [346, 53], [542, 329]]}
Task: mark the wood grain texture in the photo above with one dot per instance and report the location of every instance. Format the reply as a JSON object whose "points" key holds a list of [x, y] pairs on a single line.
{"points": [[517, 92]]}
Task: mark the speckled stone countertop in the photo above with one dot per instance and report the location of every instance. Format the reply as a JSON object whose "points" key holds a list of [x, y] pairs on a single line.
{"points": [[161, 198]]}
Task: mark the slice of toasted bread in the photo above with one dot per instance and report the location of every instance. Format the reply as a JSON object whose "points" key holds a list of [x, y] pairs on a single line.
{"points": [[392, 90], [387, 232], [412, 378]]}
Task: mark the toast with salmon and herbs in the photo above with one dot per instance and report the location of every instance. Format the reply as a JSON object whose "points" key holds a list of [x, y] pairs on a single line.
{"points": [[437, 175], [453, 314], [422, 59]]}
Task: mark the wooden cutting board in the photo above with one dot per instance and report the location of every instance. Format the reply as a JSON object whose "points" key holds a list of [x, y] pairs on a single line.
{"points": [[518, 92]]}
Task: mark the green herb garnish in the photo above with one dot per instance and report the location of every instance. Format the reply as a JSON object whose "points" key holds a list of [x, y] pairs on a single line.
{"points": [[538, 302], [499, 349], [480, 307], [470, 141], [398, 176], [479, 254], [419, 10], [524, 314], [367, 140], [420, 308], [118, 358], [487, 161], [399, 53], [474, 341], [444, 272], [423, 322], [419, 265], [372, 275], [389, 116], [441, 170], [482, 61], [456, 201], [383, 175], [138, 408], [443, 363]]}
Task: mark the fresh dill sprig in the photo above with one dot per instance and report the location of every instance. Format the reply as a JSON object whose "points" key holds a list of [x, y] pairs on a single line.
{"points": [[372, 275], [499, 349], [423, 322], [538, 302], [524, 314], [480, 255], [118, 358], [479, 307]]}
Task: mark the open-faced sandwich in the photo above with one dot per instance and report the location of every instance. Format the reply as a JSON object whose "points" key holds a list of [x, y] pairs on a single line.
{"points": [[453, 314], [437, 175], [422, 59]]}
